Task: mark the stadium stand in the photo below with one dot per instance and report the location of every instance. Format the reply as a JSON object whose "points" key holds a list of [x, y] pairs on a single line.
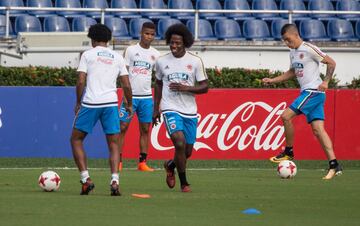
{"points": [[265, 5], [27, 23], [18, 3], [3, 27], [348, 5], [125, 4], [293, 5], [238, 5], [181, 4], [341, 30], [163, 25], [313, 30], [40, 4], [321, 5], [276, 26], [153, 4], [228, 30], [56, 24], [135, 26], [118, 27], [256, 30], [82, 23], [209, 4], [95, 4], [205, 31], [68, 4]]}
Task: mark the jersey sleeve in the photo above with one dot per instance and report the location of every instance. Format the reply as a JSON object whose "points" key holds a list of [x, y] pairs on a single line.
{"points": [[200, 71], [316, 53], [83, 64], [158, 73]]}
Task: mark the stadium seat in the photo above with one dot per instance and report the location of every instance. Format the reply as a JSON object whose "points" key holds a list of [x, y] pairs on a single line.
{"points": [[40, 4], [153, 4], [341, 30], [95, 4], [56, 24], [228, 29], [118, 27], [3, 27], [164, 24], [27, 24], [205, 31], [135, 26], [13, 13], [313, 30], [181, 4], [125, 4], [265, 5], [293, 5], [256, 30], [68, 4], [276, 26], [209, 4], [82, 23], [324, 5], [237, 5], [348, 5]]}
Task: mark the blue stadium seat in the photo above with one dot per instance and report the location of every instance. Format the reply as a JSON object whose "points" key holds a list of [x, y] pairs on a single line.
{"points": [[313, 30], [357, 29], [13, 13], [135, 26], [181, 4], [118, 28], [293, 5], [40, 4], [205, 31], [153, 4], [237, 5], [324, 5], [228, 30], [276, 26], [56, 24], [164, 24], [27, 24], [256, 30], [82, 23], [3, 27], [125, 4], [265, 5], [209, 4], [348, 5], [341, 30], [68, 4], [95, 4]]}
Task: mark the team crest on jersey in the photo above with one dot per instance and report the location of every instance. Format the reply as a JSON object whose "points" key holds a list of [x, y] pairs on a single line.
{"points": [[153, 58], [173, 126], [301, 56], [189, 67]]}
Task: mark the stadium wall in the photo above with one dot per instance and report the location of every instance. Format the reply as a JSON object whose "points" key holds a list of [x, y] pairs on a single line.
{"points": [[37, 122]]}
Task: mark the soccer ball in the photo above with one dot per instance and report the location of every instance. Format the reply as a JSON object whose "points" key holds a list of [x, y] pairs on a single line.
{"points": [[49, 181], [286, 169]]}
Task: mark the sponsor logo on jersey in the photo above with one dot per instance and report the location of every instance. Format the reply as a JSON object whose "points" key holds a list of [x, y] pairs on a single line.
{"points": [[297, 65], [142, 64], [166, 67], [105, 54], [178, 77]]}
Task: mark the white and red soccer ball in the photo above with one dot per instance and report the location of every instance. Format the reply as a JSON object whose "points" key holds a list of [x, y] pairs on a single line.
{"points": [[286, 169], [49, 181]]}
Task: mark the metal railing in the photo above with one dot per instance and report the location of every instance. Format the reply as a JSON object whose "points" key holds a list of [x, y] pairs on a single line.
{"points": [[196, 13]]}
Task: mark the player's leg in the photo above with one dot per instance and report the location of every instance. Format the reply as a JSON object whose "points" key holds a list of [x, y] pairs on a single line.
{"points": [[179, 142], [144, 113], [287, 154]]}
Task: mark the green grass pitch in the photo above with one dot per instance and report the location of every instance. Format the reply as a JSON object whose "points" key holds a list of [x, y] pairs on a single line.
{"points": [[221, 190]]}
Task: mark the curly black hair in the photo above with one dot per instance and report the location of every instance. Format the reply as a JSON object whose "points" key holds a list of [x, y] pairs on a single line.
{"points": [[99, 33], [181, 30]]}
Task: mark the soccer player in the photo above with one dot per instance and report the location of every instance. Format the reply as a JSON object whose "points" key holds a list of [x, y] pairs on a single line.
{"points": [[140, 61], [305, 59], [96, 99], [179, 76]]}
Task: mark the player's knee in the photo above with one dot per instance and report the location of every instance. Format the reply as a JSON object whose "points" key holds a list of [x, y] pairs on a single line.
{"points": [[317, 131], [179, 145], [123, 128]]}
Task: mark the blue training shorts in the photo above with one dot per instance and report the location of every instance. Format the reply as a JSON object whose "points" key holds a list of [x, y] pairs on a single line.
{"points": [[311, 104], [87, 118], [175, 122], [143, 107]]}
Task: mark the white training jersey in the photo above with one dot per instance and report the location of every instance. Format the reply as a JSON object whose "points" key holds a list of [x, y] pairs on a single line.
{"points": [[305, 61], [102, 66], [141, 63], [186, 70]]}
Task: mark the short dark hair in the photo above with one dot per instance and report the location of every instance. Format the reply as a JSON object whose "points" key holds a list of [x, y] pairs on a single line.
{"points": [[149, 25], [99, 33], [289, 27], [181, 30]]}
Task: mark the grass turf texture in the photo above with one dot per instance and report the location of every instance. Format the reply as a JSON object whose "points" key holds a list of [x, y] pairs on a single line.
{"points": [[218, 198]]}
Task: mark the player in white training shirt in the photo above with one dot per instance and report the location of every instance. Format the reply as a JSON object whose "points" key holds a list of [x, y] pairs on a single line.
{"points": [[96, 100], [305, 59], [179, 76], [140, 61]]}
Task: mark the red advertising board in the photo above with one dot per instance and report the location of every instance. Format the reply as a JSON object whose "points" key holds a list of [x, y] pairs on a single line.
{"points": [[246, 124]]}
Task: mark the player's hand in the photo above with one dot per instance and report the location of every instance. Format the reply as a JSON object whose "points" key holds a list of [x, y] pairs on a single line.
{"points": [[77, 108], [156, 119], [323, 86], [267, 80], [174, 86], [129, 110]]}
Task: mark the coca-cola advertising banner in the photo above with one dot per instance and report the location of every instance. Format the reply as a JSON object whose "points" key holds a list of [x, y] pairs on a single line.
{"points": [[233, 124]]}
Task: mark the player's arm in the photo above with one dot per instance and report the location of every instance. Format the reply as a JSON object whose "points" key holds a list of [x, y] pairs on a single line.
{"points": [[200, 88], [157, 98], [126, 87], [80, 87], [281, 78], [330, 68]]}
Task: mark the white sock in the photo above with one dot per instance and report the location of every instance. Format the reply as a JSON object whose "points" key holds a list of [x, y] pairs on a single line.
{"points": [[114, 177], [84, 175]]}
